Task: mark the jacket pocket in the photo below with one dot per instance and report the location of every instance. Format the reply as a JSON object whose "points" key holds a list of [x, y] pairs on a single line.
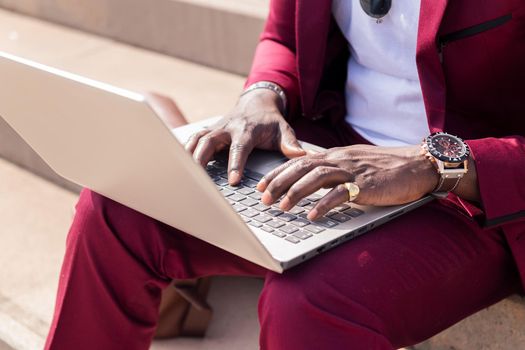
{"points": [[464, 33]]}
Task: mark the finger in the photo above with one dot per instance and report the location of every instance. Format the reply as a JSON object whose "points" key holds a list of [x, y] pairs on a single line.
{"points": [[269, 177], [210, 144], [337, 196], [321, 177], [240, 149], [194, 139], [278, 183], [289, 145]]}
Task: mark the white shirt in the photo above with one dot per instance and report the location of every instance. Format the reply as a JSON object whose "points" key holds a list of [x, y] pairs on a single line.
{"points": [[383, 94]]}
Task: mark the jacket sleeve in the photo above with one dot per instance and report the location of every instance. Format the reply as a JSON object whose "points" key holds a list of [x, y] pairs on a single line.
{"points": [[500, 166], [275, 59]]}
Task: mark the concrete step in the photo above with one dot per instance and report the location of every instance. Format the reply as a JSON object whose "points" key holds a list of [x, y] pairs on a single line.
{"points": [[35, 217], [217, 33], [199, 91]]}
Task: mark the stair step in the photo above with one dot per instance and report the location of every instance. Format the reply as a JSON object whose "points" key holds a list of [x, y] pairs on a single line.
{"points": [[217, 33]]}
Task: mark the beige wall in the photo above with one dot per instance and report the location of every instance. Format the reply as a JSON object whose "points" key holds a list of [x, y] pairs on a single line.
{"points": [[217, 33]]}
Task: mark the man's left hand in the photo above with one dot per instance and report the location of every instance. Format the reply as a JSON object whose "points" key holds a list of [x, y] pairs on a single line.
{"points": [[385, 176]]}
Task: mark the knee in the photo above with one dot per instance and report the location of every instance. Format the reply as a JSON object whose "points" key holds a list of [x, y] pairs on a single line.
{"points": [[313, 304], [91, 217], [289, 299]]}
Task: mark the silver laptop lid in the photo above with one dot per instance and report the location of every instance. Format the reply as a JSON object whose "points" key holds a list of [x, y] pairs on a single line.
{"points": [[108, 139]]}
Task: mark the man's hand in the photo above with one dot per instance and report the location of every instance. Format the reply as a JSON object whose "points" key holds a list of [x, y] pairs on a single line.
{"points": [[255, 122], [385, 176]]}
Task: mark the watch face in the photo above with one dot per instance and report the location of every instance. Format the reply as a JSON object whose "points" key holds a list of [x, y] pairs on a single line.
{"points": [[448, 148]]}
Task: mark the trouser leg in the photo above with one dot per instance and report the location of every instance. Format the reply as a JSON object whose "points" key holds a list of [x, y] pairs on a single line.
{"points": [[117, 260], [393, 287]]}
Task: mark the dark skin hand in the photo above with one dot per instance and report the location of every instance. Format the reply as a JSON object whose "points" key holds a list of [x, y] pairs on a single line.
{"points": [[255, 122], [385, 175]]}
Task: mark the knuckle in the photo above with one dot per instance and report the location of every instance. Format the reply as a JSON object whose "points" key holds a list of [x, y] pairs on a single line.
{"points": [[206, 139], [322, 171], [237, 147], [274, 187], [322, 206], [293, 193], [305, 163]]}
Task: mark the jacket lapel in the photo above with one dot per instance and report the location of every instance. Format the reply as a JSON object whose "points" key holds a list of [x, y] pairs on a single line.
{"points": [[313, 22], [312, 27], [429, 67]]}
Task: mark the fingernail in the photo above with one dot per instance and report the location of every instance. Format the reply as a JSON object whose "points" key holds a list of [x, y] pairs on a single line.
{"points": [[312, 215], [234, 177], [266, 198], [285, 204]]}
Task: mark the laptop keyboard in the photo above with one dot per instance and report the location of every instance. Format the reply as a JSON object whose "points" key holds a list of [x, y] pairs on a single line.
{"points": [[292, 226]]}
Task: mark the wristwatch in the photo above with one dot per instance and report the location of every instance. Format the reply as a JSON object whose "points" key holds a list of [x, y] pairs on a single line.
{"points": [[449, 154]]}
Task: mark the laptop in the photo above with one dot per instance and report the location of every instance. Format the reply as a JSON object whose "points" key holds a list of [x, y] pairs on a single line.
{"points": [[109, 140]]}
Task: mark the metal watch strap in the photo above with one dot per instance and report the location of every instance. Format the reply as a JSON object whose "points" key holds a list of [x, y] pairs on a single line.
{"points": [[269, 86], [447, 184], [449, 178]]}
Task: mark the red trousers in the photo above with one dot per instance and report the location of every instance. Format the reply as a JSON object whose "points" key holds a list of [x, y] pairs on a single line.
{"points": [[395, 286]]}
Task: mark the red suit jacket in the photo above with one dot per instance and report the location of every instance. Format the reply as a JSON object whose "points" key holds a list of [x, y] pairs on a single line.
{"points": [[471, 63]]}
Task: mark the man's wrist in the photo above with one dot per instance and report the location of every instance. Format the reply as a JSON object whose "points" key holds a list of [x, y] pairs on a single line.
{"points": [[428, 171], [271, 87]]}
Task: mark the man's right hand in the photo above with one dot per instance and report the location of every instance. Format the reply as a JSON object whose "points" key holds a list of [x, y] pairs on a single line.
{"points": [[255, 122]]}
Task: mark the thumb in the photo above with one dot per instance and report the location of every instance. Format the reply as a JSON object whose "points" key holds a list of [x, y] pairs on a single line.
{"points": [[290, 147]]}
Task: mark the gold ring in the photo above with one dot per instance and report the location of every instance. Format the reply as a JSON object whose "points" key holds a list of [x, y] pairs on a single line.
{"points": [[353, 190]]}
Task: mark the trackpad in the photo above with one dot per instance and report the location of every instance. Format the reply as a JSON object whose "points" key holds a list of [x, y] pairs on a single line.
{"points": [[263, 162], [260, 161]]}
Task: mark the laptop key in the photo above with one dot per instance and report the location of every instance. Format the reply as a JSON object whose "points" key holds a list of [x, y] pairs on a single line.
{"points": [[340, 217], [267, 229], [232, 188], [309, 206], [303, 203], [274, 212], [299, 222], [237, 197], [238, 208], [246, 219], [326, 222], [296, 210], [262, 218], [220, 182], [287, 217], [245, 191], [288, 229], [249, 202], [226, 192], [249, 183], [293, 239], [275, 224], [331, 212], [250, 212], [354, 212], [342, 207], [279, 234], [314, 198], [314, 229], [255, 224], [302, 235], [256, 195], [261, 207]]}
